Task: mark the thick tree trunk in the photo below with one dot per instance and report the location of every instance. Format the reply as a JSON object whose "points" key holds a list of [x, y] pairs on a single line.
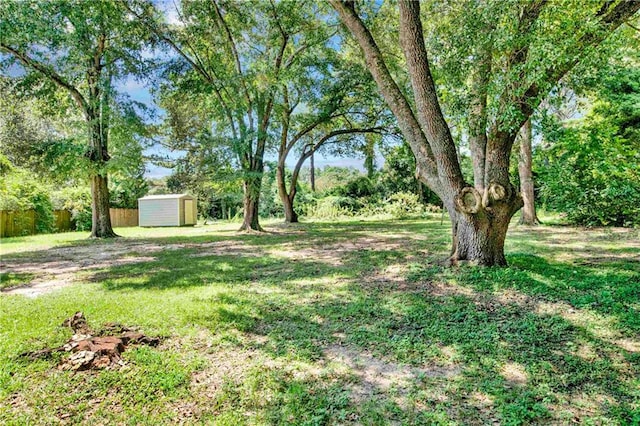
{"points": [[529, 216], [479, 240], [251, 201], [480, 223], [100, 217], [99, 156]]}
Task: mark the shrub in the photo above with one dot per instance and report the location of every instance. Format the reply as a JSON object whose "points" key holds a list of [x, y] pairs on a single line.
{"points": [[331, 207], [20, 191], [593, 176], [78, 201], [360, 187], [402, 205]]}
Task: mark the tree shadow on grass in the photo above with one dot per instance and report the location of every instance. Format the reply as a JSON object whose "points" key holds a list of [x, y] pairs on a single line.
{"points": [[526, 363], [530, 365], [182, 270], [515, 363], [609, 288]]}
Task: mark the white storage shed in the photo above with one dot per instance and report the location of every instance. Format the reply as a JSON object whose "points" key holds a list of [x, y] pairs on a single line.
{"points": [[167, 210]]}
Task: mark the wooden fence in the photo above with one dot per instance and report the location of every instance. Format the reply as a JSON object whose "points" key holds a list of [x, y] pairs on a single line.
{"points": [[62, 220], [15, 223], [121, 218]]}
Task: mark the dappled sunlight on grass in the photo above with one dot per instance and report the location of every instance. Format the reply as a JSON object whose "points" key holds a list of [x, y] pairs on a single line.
{"points": [[350, 322]]}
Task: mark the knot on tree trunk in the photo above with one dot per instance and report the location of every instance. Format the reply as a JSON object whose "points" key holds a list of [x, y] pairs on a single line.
{"points": [[495, 192], [468, 200], [498, 192]]}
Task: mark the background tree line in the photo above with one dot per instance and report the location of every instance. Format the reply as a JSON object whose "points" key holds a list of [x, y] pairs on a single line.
{"points": [[249, 87]]}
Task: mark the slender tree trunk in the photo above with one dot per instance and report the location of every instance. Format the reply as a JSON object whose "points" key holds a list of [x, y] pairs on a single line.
{"points": [[251, 201], [312, 174], [370, 155], [529, 216], [290, 216], [478, 117]]}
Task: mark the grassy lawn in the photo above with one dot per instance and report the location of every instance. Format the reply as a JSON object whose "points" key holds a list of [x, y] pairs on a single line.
{"points": [[350, 322]]}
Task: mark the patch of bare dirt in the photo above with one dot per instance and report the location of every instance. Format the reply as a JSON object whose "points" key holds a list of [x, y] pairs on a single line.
{"points": [[377, 376], [578, 407], [514, 374], [57, 268], [334, 253], [226, 248]]}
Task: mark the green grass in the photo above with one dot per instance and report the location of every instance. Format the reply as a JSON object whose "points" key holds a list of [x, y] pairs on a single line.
{"points": [[352, 322], [10, 279]]}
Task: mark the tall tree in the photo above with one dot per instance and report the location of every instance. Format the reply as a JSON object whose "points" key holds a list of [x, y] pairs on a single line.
{"points": [[327, 110], [238, 54], [532, 51], [525, 172], [80, 48]]}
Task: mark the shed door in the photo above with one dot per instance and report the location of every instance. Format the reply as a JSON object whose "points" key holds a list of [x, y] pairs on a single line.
{"points": [[189, 213]]}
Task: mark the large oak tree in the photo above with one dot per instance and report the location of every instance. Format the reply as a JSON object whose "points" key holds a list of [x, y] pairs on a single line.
{"points": [[536, 43]]}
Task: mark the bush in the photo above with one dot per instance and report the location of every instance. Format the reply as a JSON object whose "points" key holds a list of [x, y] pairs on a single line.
{"points": [[305, 202], [331, 207], [402, 205], [593, 176], [360, 187], [20, 191], [78, 201]]}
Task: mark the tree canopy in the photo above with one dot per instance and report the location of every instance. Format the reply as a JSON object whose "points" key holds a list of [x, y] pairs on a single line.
{"points": [[82, 49]]}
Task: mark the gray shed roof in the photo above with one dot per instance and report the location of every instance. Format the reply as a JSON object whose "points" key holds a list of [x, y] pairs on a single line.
{"points": [[166, 196]]}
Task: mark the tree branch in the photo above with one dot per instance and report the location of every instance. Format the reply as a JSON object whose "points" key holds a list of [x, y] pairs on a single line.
{"points": [[394, 97], [236, 56], [51, 74], [324, 140], [430, 115], [196, 64], [610, 19]]}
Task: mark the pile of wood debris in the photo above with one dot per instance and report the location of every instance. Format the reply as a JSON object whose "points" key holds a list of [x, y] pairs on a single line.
{"points": [[94, 350]]}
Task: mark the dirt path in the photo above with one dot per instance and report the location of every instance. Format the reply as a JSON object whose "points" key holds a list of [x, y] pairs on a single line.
{"points": [[57, 268], [60, 267]]}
